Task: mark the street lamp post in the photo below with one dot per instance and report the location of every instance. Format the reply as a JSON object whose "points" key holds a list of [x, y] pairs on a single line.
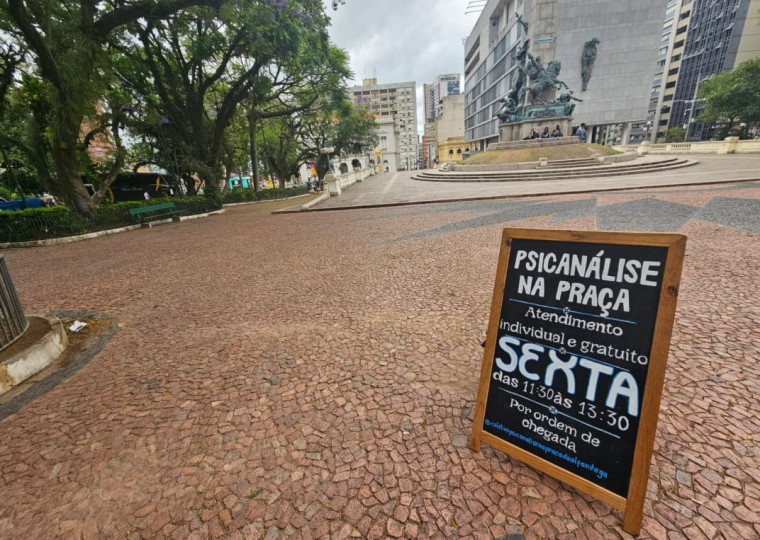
{"points": [[327, 150]]}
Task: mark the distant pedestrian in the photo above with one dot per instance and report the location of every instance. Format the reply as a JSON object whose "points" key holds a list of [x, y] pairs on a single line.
{"points": [[146, 195], [582, 133]]}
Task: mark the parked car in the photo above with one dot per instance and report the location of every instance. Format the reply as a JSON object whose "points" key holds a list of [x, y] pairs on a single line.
{"points": [[130, 186]]}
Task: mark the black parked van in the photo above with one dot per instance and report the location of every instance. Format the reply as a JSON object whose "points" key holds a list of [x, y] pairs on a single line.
{"points": [[130, 186]]}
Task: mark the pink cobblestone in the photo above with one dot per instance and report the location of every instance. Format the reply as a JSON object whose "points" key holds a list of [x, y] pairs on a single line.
{"points": [[298, 376]]}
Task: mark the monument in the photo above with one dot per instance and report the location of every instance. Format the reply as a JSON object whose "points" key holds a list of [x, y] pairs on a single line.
{"points": [[532, 104]]}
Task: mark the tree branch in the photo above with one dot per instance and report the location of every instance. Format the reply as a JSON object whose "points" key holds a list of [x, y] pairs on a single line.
{"points": [[145, 9], [48, 65]]}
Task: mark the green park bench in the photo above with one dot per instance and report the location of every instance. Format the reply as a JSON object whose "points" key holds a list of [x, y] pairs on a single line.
{"points": [[146, 214]]}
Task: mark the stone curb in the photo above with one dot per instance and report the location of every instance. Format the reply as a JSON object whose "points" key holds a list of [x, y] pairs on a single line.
{"points": [[34, 359], [304, 207], [79, 237], [40, 388], [265, 200], [518, 196]]}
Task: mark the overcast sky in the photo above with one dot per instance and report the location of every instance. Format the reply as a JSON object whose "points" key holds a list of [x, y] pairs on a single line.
{"points": [[402, 40]]}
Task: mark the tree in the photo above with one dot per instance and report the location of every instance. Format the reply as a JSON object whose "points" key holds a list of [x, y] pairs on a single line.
{"points": [[675, 134], [733, 95], [356, 131], [195, 68], [67, 41], [279, 142], [339, 125], [24, 135]]}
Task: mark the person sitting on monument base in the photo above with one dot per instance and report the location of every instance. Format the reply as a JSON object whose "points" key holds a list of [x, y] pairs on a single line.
{"points": [[545, 133], [557, 131]]}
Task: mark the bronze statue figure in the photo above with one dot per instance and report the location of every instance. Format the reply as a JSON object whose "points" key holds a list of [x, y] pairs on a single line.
{"points": [[565, 99], [587, 61], [542, 78], [531, 76], [519, 54], [507, 110], [522, 22]]}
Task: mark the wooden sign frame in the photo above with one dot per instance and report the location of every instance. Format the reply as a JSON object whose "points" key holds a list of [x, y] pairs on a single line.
{"points": [[633, 504]]}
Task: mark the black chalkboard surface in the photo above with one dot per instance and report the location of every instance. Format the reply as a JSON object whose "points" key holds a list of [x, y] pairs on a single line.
{"points": [[575, 356]]}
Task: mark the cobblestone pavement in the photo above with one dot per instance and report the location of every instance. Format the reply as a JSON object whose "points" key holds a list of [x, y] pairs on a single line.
{"points": [[394, 188], [314, 374]]}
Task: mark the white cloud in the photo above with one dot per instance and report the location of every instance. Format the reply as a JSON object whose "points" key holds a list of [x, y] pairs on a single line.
{"points": [[402, 40]]}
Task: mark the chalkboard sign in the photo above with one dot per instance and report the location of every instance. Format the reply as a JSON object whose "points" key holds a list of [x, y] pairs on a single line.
{"points": [[575, 357]]}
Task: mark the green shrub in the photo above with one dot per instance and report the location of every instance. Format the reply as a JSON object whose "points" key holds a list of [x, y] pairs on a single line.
{"points": [[59, 221], [39, 224], [6, 193], [243, 195], [235, 196]]}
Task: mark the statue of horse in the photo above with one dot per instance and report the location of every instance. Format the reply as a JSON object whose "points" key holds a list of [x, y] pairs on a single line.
{"points": [[541, 79]]}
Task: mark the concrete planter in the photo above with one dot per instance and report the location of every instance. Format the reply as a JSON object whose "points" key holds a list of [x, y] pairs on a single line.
{"points": [[34, 356]]}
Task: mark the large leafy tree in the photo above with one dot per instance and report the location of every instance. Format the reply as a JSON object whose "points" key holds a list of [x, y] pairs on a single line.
{"points": [[66, 39], [194, 69], [338, 125], [356, 131], [279, 146], [733, 96]]}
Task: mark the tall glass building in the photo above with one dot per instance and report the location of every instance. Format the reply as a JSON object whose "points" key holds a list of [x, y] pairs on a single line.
{"points": [[721, 34]]}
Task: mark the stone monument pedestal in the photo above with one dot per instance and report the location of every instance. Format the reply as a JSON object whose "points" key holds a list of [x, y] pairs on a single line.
{"points": [[517, 131]]}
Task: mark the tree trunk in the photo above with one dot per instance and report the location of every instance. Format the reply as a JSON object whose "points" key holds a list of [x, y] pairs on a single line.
{"points": [[253, 152], [65, 139], [323, 166], [189, 184], [210, 180], [228, 165], [118, 163]]}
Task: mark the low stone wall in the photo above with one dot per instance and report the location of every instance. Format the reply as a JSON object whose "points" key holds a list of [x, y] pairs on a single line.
{"points": [[335, 184], [730, 145], [619, 158]]}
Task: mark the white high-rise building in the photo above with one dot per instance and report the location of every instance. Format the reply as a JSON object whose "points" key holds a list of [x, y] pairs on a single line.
{"points": [[398, 101], [444, 85]]}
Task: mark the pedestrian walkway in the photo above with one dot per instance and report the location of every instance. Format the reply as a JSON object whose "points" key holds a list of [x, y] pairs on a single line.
{"points": [[313, 375], [400, 188]]}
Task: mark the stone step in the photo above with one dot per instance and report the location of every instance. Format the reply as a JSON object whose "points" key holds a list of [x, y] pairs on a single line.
{"points": [[544, 170], [569, 163], [518, 176]]}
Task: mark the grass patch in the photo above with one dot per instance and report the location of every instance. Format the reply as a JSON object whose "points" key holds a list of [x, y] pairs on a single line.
{"points": [[253, 494], [553, 153]]}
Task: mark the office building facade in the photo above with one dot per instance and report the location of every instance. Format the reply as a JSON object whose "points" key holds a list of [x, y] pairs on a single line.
{"points": [[720, 35], [397, 101], [619, 88], [449, 129], [444, 85]]}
